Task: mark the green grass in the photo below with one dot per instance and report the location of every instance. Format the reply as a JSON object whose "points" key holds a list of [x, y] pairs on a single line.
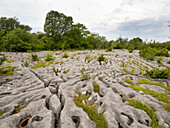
{"points": [[7, 70], [42, 64], [10, 61], [91, 111], [96, 88], [85, 77], [145, 81], [1, 113], [129, 81], [148, 110], [160, 96]]}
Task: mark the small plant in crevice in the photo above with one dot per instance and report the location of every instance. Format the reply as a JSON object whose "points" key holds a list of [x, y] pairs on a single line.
{"points": [[129, 81], [96, 88], [26, 64], [49, 57], [83, 75], [92, 112], [65, 55], [56, 71], [18, 108], [34, 57], [101, 58], [116, 55], [1, 113], [42, 64]]}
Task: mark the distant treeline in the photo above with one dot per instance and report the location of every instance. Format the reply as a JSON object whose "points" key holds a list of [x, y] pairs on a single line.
{"points": [[62, 34]]}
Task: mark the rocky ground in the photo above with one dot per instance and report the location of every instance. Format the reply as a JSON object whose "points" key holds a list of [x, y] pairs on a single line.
{"points": [[44, 97]]}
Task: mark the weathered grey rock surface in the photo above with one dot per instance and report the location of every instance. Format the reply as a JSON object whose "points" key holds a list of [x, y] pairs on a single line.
{"points": [[44, 97]]}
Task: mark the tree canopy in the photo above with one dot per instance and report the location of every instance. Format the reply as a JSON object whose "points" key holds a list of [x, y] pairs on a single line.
{"points": [[61, 33]]}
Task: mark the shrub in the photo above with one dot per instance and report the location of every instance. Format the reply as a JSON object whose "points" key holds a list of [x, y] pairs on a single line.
{"points": [[131, 49], [148, 53], [65, 55], [162, 52], [158, 73], [101, 58], [49, 57], [2, 60], [109, 49], [34, 57], [159, 60]]}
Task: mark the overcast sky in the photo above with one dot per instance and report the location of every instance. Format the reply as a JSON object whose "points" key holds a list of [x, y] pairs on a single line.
{"points": [[147, 19]]}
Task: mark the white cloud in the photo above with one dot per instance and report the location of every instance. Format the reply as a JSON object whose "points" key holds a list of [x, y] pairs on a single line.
{"points": [[100, 16]]}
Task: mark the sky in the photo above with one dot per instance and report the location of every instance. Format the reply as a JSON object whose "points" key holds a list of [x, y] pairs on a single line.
{"points": [[147, 19]]}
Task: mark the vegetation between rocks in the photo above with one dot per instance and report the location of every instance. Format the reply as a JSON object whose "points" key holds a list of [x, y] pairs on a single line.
{"points": [[90, 110], [150, 112], [7, 70], [160, 96]]}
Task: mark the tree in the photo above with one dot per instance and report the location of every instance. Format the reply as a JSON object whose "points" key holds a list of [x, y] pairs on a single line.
{"points": [[20, 40], [25, 27], [76, 37], [8, 24], [56, 24]]}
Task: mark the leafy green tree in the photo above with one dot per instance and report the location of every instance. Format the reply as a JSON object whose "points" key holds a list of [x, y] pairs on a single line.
{"points": [[25, 27], [136, 43], [97, 41], [20, 40], [9, 24], [121, 43], [56, 24], [76, 37]]}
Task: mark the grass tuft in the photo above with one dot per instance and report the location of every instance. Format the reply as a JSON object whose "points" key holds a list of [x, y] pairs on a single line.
{"points": [[148, 110], [160, 96], [1, 113], [96, 88], [129, 81], [90, 110], [145, 81], [7, 70]]}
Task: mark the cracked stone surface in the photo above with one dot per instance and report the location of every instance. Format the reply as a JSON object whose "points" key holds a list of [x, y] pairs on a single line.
{"points": [[46, 94]]}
